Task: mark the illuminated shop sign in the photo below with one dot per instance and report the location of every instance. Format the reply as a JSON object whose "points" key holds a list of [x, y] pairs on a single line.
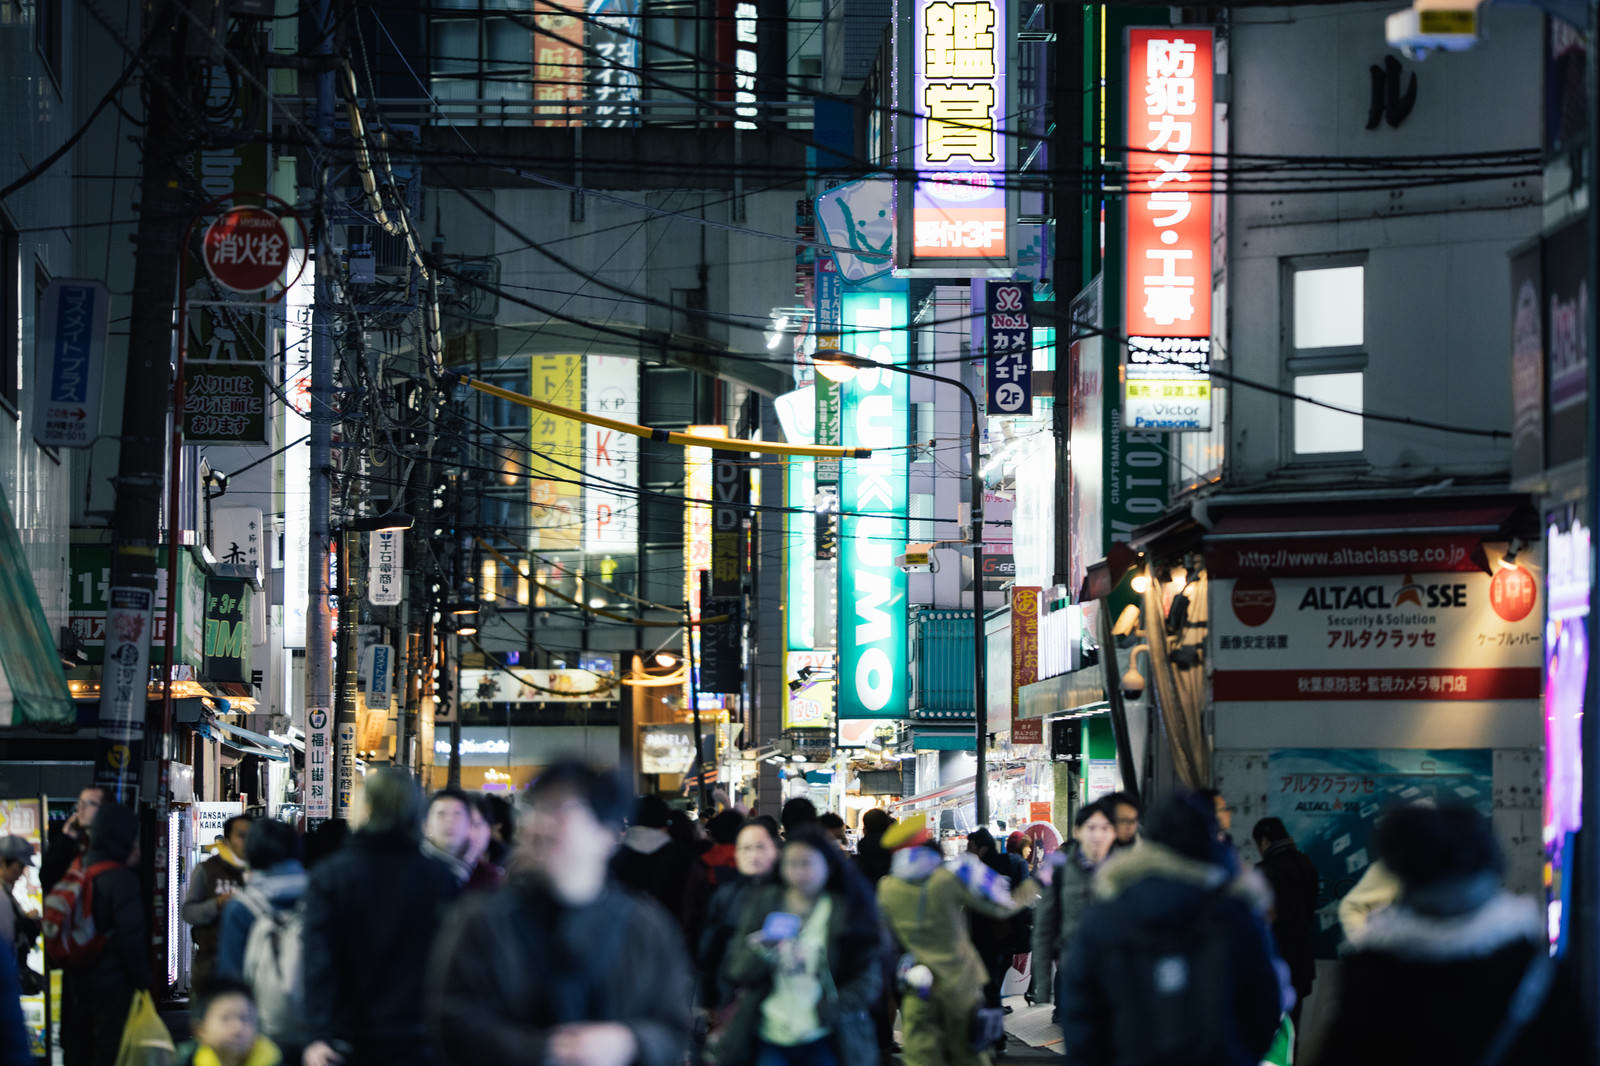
{"points": [[872, 500], [1168, 254], [610, 517], [957, 140]]}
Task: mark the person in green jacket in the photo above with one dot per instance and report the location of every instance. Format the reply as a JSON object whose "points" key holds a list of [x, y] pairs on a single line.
{"points": [[1062, 904], [926, 905]]}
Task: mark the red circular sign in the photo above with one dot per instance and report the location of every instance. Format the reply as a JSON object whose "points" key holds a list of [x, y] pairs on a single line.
{"points": [[1512, 593], [1253, 600], [246, 248]]}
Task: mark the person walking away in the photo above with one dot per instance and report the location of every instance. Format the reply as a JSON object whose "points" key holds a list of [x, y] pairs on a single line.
{"points": [[651, 862], [68, 845], [872, 858], [226, 1028], [486, 873], [997, 939], [97, 992], [805, 961], [270, 959], [1434, 977], [1063, 901], [563, 966], [211, 886], [16, 855], [1126, 813], [372, 910], [926, 906], [756, 857], [797, 812], [834, 826], [1171, 964], [721, 859], [447, 831], [1295, 884]]}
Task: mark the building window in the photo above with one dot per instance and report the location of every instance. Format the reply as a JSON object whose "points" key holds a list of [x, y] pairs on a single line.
{"points": [[10, 313], [1327, 355]]}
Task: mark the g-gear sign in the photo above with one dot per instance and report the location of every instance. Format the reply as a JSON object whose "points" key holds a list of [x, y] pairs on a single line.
{"points": [[246, 248]]}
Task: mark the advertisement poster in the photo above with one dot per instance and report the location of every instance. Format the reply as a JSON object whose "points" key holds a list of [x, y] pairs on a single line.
{"points": [[1008, 340], [1330, 800], [1435, 636]]}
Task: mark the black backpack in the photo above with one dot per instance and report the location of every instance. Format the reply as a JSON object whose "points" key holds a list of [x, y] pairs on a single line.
{"points": [[1173, 989]]}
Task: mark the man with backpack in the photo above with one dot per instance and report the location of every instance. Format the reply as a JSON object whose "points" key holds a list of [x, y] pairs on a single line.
{"points": [[1171, 965], [262, 934], [95, 931]]}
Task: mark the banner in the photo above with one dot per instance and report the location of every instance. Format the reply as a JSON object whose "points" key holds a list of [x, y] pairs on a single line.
{"points": [[611, 515], [1008, 335], [386, 568], [69, 358], [1024, 661], [730, 487], [557, 501]]}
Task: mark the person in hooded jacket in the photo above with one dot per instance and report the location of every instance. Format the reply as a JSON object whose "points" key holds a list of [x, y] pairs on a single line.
{"points": [[805, 961], [652, 863], [1174, 890], [1063, 902], [562, 966], [926, 906], [372, 910], [275, 885], [1433, 976], [96, 996], [755, 856]]}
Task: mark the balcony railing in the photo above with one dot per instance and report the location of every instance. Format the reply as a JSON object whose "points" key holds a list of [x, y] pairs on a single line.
{"points": [[591, 112]]}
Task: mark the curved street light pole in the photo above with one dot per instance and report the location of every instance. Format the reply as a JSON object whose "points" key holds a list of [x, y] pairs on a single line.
{"points": [[835, 359]]}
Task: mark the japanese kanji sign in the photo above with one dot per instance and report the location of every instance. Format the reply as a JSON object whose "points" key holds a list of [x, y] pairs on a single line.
{"points": [[730, 487], [958, 138], [246, 248], [1024, 661], [69, 357], [1167, 297], [386, 568], [557, 502], [1448, 636], [614, 75], [558, 61], [1008, 331], [319, 763]]}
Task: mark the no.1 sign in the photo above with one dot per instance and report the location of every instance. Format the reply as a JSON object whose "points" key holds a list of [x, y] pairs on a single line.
{"points": [[246, 248]]}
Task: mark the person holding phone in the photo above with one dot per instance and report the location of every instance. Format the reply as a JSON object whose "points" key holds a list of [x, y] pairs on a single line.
{"points": [[69, 844], [805, 963]]}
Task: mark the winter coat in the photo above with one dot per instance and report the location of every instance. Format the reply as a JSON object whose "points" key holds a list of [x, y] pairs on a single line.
{"points": [[1153, 890], [716, 933], [651, 862], [209, 884], [1433, 987], [372, 911], [1056, 918], [853, 983], [512, 965], [872, 858], [95, 996], [1294, 882], [280, 887], [1376, 890], [58, 858]]}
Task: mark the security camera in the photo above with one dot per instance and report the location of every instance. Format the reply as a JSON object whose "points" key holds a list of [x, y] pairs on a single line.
{"points": [[1132, 685], [918, 559]]}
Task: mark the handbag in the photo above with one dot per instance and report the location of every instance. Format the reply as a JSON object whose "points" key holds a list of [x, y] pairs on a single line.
{"points": [[145, 1040]]}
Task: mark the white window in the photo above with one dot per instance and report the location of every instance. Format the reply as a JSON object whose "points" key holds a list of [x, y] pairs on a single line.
{"points": [[1326, 357]]}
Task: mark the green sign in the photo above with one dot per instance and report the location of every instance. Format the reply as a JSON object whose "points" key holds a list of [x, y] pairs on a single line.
{"points": [[225, 403], [227, 630], [830, 413], [873, 505], [91, 584]]}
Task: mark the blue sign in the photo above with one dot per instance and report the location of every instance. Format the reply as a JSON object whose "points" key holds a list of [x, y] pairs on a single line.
{"points": [[1008, 332], [857, 220], [380, 671], [69, 353]]}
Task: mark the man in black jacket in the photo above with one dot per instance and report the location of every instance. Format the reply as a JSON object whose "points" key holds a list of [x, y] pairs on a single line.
{"points": [[562, 966], [1294, 882], [372, 910], [96, 996], [872, 858]]}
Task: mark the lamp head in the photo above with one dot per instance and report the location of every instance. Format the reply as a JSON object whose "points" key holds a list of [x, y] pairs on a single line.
{"points": [[835, 364]]}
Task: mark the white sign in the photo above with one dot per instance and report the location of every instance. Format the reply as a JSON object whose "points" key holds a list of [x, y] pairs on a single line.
{"points": [[68, 359], [386, 568], [859, 217], [520, 685], [611, 516], [297, 309], [666, 749], [377, 669], [318, 783], [236, 536], [1103, 777], [1439, 636], [441, 746], [208, 820]]}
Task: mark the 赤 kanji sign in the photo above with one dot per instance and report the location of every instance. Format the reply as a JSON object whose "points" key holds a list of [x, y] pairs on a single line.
{"points": [[246, 248], [1168, 253]]}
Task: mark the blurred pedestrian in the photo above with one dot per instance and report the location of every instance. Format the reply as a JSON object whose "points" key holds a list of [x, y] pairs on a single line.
{"points": [[226, 1028], [797, 812], [999, 939], [70, 842], [211, 886], [1067, 896], [1222, 809], [756, 855], [1126, 811], [270, 960], [16, 855], [805, 962], [372, 910], [447, 831], [563, 966], [1376, 889], [1457, 969], [926, 906], [96, 993], [1170, 964], [1020, 844], [651, 863], [1295, 884], [872, 858], [722, 858], [486, 874], [834, 827], [502, 828]]}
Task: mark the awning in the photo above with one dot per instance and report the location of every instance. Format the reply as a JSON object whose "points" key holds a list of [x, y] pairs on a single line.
{"points": [[1495, 519], [957, 792], [32, 669], [250, 742]]}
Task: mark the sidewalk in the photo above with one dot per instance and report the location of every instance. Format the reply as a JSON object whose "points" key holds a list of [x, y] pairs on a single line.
{"points": [[1032, 1035]]}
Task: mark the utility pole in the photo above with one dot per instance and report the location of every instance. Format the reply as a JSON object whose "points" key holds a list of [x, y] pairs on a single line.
{"points": [[319, 668], [344, 694]]}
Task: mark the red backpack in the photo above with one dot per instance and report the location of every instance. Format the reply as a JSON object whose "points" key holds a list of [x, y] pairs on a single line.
{"points": [[70, 937]]}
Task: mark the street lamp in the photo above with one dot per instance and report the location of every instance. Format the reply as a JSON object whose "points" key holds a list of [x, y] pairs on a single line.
{"points": [[840, 366]]}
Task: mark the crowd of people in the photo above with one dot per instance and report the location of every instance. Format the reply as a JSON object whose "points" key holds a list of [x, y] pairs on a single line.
{"points": [[591, 927]]}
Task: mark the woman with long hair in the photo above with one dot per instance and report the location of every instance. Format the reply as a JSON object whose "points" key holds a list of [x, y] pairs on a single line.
{"points": [[804, 964]]}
